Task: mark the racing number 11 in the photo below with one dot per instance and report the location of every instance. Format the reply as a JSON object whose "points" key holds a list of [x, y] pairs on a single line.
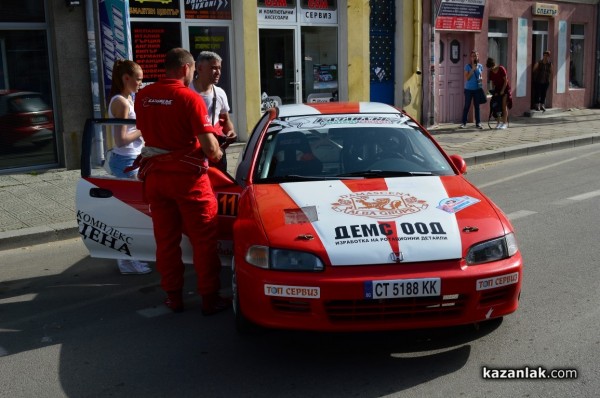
{"points": [[228, 204]]}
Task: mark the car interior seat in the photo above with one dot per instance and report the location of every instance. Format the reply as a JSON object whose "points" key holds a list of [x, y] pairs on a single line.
{"points": [[293, 156], [358, 149]]}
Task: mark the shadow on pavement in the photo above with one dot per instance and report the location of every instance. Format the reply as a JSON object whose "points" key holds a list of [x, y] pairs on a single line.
{"points": [[109, 348]]}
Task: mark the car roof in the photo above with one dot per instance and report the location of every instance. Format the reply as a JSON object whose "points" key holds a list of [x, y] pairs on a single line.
{"points": [[16, 93], [330, 108]]}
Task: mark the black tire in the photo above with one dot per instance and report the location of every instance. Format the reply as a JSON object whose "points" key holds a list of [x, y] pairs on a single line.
{"points": [[488, 324], [242, 324]]}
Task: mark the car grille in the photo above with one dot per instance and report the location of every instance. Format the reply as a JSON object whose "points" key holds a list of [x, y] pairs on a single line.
{"points": [[497, 296], [395, 309], [294, 306]]}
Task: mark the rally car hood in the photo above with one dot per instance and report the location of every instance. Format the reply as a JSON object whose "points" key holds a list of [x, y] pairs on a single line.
{"points": [[375, 221]]}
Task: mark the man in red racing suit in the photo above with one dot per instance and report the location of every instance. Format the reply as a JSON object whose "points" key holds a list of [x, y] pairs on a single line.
{"points": [[179, 141]]}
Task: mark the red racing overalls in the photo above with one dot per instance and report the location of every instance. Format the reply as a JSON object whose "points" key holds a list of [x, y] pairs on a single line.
{"points": [[176, 185]]}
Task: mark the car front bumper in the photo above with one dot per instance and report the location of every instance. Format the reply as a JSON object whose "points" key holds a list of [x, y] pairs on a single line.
{"points": [[334, 300]]}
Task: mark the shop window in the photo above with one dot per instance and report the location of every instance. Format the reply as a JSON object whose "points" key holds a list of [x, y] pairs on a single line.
{"points": [[27, 136], [498, 41], [22, 11], [216, 39], [319, 52], [454, 51], [577, 56]]}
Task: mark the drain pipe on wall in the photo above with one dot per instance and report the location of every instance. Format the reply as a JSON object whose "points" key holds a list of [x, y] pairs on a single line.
{"points": [[431, 115], [596, 103]]}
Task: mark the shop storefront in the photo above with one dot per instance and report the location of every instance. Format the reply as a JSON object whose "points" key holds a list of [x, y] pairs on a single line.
{"points": [[61, 53], [297, 46], [145, 30], [27, 112], [298, 51]]}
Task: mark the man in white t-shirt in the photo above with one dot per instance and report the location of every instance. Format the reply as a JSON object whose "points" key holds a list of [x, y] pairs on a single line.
{"points": [[208, 73]]}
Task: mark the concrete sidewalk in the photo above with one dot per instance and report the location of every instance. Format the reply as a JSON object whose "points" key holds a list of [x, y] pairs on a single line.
{"points": [[39, 207]]}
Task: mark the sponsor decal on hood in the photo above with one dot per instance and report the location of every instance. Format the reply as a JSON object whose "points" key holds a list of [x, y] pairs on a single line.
{"points": [[379, 221]]}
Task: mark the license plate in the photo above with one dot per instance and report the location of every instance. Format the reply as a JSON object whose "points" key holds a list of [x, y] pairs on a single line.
{"points": [[39, 119], [399, 288]]}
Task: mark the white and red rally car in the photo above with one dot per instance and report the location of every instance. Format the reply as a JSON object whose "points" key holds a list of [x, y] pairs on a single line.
{"points": [[341, 216]]}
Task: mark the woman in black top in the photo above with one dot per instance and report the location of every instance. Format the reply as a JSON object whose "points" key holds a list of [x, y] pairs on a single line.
{"points": [[542, 73]]}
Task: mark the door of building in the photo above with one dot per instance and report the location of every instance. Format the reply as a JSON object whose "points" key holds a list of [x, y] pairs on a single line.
{"points": [[382, 44], [539, 44], [452, 56], [298, 64], [279, 79]]}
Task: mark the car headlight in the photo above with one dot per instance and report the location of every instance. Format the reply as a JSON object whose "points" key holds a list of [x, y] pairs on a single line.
{"points": [[286, 260], [492, 250]]}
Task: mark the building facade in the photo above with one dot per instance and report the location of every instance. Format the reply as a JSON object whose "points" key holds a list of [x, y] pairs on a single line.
{"points": [[56, 56], [515, 33]]}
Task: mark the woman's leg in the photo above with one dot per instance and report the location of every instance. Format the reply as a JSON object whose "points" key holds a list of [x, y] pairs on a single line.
{"points": [[504, 108], [468, 99], [476, 108], [542, 95]]}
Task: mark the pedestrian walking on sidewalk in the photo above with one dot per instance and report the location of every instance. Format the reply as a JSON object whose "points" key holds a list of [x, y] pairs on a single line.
{"points": [[542, 73], [501, 85], [126, 80], [473, 84]]}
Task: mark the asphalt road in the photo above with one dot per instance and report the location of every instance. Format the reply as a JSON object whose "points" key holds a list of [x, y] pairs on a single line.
{"points": [[72, 326]]}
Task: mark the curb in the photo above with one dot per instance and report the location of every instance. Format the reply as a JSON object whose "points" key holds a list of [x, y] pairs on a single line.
{"points": [[68, 230], [38, 235], [511, 152]]}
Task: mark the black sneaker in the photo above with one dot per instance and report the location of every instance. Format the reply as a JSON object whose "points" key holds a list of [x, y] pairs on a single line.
{"points": [[213, 304]]}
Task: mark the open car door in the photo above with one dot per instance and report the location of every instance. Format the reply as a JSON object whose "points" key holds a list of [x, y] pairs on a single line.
{"points": [[115, 220]]}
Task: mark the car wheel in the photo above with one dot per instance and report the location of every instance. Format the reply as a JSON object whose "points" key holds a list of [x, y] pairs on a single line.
{"points": [[488, 324], [41, 144], [242, 324]]}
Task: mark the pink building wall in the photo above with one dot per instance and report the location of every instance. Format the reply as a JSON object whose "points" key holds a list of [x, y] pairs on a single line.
{"points": [[511, 10], [571, 13]]}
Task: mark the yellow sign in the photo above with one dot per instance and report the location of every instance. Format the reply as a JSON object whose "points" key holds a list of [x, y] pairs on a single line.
{"points": [[544, 9]]}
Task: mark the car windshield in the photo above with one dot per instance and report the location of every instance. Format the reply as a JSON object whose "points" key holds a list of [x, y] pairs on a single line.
{"points": [[347, 146]]}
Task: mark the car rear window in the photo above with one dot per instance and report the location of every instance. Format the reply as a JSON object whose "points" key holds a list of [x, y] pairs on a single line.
{"points": [[27, 103]]}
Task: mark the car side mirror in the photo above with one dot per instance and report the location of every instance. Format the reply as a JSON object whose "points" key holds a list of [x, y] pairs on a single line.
{"points": [[459, 163]]}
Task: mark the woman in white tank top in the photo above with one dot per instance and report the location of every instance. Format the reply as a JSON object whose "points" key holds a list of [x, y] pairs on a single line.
{"points": [[126, 80]]}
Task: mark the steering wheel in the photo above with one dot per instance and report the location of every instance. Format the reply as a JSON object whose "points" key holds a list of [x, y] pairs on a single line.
{"points": [[389, 162], [388, 154]]}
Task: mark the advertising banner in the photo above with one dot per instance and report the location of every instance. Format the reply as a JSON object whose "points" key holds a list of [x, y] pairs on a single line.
{"points": [[114, 36], [324, 76], [276, 11], [154, 8], [151, 41], [460, 15], [318, 11], [202, 9]]}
